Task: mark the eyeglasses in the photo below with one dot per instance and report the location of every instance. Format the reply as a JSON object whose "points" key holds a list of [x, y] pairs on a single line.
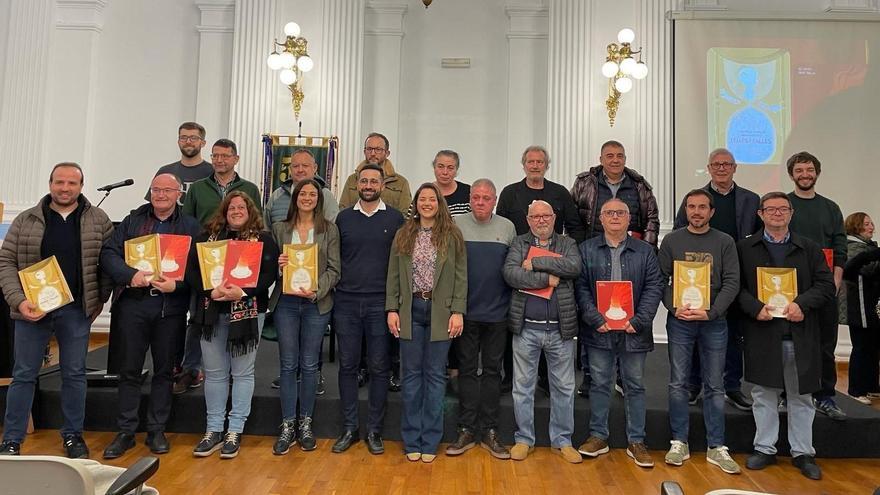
{"points": [[545, 218], [163, 190], [615, 213], [189, 139], [720, 165], [222, 156], [772, 210], [373, 150], [369, 182]]}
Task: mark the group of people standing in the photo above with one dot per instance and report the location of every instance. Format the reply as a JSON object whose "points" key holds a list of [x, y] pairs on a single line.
{"points": [[452, 280]]}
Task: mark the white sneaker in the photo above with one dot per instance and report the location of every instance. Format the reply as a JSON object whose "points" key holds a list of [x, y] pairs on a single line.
{"points": [[864, 399]]}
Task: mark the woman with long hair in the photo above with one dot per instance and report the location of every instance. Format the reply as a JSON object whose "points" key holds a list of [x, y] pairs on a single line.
{"points": [[426, 298], [301, 315], [858, 308], [230, 319]]}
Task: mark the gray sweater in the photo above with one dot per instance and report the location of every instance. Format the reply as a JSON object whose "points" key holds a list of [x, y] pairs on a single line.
{"points": [[713, 246]]}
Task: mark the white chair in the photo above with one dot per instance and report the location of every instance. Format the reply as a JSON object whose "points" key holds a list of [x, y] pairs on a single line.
{"points": [[50, 475]]}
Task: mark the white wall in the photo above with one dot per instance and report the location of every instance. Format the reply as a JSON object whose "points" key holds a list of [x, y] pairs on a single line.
{"points": [[154, 64]]}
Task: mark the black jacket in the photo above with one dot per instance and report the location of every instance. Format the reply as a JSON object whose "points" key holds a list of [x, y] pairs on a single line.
{"points": [[762, 351], [138, 223]]}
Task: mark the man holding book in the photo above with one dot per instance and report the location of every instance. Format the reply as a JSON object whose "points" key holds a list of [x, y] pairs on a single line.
{"points": [[702, 267], [542, 266], [783, 274], [618, 291], [64, 225], [151, 309]]}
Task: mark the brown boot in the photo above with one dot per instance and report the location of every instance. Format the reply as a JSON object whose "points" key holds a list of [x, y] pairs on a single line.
{"points": [[465, 441]]}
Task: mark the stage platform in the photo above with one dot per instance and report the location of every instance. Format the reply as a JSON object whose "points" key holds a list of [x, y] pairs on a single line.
{"points": [[858, 436]]}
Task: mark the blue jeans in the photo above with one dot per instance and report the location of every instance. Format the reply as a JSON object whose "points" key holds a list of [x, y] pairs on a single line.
{"points": [[602, 372], [710, 339], [423, 383], [733, 360], [300, 334], [219, 364], [71, 328], [357, 320], [527, 347], [800, 410]]}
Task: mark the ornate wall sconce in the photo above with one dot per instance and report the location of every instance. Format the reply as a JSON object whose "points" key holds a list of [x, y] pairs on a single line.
{"points": [[620, 68], [293, 61]]}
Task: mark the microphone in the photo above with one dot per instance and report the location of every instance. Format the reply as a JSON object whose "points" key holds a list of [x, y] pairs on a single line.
{"points": [[110, 187]]}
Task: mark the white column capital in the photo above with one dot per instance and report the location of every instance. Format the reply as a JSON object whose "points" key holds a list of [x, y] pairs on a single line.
{"points": [[384, 18], [80, 15], [703, 5], [853, 6], [217, 16], [527, 21]]}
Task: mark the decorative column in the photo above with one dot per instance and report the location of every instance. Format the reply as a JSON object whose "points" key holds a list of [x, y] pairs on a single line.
{"points": [[215, 44], [72, 84], [251, 102], [24, 103], [653, 102], [527, 83], [700, 5], [568, 95], [342, 75], [383, 38]]}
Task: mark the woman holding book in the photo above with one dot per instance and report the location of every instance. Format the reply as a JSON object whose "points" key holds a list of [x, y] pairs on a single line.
{"points": [[426, 298], [230, 318], [301, 303]]}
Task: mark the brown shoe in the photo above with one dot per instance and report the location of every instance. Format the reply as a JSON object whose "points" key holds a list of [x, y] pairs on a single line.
{"points": [[465, 441], [640, 455], [187, 381], [593, 447], [569, 454], [494, 446], [520, 451]]}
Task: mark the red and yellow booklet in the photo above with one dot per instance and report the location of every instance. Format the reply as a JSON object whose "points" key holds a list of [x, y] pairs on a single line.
{"points": [[614, 300], [536, 252], [174, 251], [242, 267]]}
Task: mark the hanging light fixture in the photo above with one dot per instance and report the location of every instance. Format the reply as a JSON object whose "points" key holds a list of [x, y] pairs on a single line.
{"points": [[620, 68], [292, 61]]}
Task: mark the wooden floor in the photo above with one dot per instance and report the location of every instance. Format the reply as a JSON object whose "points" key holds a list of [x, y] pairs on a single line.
{"points": [[257, 471]]}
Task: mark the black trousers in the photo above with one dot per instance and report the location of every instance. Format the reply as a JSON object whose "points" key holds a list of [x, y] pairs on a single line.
{"points": [[864, 368], [827, 343], [142, 326], [479, 395]]}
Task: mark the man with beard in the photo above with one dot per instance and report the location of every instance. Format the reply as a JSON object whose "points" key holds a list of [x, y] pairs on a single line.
{"points": [[395, 192], [366, 231], [819, 219], [64, 225], [689, 326], [191, 166]]}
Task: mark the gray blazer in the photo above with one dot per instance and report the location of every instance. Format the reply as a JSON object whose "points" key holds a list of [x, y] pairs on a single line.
{"points": [[328, 264]]}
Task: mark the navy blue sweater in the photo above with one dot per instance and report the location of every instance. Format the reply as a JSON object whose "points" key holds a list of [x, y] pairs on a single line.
{"points": [[364, 248]]}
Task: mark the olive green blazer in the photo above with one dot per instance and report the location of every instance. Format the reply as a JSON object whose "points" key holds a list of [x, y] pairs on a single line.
{"points": [[449, 292], [328, 264]]}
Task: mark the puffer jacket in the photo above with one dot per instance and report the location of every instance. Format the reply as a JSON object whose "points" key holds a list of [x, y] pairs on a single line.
{"points": [[567, 268], [585, 193], [21, 249], [861, 277]]}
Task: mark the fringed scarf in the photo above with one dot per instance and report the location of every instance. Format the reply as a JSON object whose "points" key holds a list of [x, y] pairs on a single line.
{"points": [[244, 330]]}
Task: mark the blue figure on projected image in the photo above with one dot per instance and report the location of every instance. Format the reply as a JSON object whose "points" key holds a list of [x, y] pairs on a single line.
{"points": [[751, 135]]}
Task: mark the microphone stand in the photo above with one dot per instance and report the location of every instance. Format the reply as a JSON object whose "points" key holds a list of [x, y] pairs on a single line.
{"points": [[106, 193]]}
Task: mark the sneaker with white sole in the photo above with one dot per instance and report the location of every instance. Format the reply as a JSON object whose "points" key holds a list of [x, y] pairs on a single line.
{"points": [[864, 399], [678, 453], [720, 457]]}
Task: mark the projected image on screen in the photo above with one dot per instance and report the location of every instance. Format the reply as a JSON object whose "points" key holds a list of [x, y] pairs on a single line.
{"points": [[768, 88], [748, 97]]}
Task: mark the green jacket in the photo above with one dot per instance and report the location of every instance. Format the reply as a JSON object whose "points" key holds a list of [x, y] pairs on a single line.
{"points": [[329, 264], [203, 197], [449, 292]]}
